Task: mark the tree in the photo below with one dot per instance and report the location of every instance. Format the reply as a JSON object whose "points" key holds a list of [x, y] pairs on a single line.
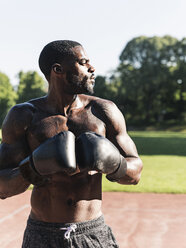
{"points": [[146, 66], [144, 50], [149, 85], [7, 96], [179, 75], [31, 85], [103, 88]]}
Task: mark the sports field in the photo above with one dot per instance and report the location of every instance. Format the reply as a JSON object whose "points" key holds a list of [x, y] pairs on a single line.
{"points": [[137, 220], [164, 158]]}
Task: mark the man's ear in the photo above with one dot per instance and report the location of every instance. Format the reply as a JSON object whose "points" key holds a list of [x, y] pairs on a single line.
{"points": [[57, 68]]}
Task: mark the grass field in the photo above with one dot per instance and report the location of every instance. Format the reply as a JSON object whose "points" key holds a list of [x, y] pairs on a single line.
{"points": [[164, 158]]}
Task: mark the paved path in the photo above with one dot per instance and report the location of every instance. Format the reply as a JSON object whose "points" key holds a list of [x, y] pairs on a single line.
{"points": [[137, 220], [147, 220]]}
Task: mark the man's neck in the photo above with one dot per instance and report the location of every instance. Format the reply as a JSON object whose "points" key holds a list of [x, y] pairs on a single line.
{"points": [[62, 104]]}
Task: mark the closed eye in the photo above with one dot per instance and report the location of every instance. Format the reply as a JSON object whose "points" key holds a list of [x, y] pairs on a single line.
{"points": [[83, 61]]}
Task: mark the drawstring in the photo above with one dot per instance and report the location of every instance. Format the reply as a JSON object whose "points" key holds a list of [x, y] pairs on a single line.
{"points": [[71, 228]]}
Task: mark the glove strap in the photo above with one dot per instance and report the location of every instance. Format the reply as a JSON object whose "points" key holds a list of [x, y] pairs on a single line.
{"points": [[120, 172]]}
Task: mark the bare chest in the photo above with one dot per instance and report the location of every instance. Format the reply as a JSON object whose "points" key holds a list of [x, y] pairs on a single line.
{"points": [[45, 126]]}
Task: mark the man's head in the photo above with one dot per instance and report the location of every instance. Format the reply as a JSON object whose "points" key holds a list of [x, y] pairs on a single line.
{"points": [[68, 61], [55, 52]]}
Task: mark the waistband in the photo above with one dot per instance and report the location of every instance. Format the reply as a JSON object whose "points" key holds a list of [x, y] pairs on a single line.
{"points": [[80, 227]]}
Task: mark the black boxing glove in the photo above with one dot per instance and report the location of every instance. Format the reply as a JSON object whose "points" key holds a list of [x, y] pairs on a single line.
{"points": [[57, 154], [95, 152]]}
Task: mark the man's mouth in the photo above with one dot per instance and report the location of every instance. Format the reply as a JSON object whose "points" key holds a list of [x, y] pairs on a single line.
{"points": [[92, 79]]}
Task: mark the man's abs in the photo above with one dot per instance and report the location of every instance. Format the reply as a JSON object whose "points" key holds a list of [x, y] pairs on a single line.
{"points": [[68, 199]]}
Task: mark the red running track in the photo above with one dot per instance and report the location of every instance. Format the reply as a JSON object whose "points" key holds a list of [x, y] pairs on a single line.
{"points": [[137, 220]]}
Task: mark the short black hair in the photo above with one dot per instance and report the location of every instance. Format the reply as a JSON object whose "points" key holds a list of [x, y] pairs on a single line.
{"points": [[55, 52]]}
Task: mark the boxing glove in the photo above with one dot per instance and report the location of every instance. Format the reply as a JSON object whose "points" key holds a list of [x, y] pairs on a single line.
{"points": [[57, 154], [95, 152]]}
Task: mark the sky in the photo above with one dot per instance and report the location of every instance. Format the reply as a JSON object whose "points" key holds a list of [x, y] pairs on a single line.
{"points": [[103, 27]]}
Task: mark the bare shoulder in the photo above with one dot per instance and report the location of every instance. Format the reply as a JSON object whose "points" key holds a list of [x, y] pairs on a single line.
{"points": [[14, 145], [102, 104], [109, 112], [17, 121]]}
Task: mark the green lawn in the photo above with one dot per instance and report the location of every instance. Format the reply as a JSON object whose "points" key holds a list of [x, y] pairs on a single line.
{"points": [[164, 158], [161, 174]]}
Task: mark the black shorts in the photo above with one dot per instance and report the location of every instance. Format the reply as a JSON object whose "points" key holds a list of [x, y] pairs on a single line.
{"points": [[93, 234]]}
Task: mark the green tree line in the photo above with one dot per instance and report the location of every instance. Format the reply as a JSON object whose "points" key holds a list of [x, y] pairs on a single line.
{"points": [[149, 84]]}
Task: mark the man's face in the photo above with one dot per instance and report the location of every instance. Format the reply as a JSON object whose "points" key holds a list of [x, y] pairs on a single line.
{"points": [[79, 73]]}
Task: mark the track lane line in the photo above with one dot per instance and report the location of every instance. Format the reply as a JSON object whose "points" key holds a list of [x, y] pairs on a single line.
{"points": [[9, 216]]}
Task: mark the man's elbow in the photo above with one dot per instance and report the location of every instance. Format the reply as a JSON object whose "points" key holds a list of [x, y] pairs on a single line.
{"points": [[136, 180], [3, 194], [6, 193], [138, 173], [133, 174]]}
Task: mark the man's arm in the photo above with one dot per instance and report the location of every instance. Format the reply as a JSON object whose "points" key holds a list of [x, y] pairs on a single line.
{"points": [[13, 149], [116, 132]]}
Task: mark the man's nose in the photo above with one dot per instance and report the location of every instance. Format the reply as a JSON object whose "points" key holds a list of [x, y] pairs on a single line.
{"points": [[91, 69]]}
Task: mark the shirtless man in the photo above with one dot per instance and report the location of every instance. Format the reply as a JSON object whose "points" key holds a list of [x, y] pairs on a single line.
{"points": [[62, 143]]}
